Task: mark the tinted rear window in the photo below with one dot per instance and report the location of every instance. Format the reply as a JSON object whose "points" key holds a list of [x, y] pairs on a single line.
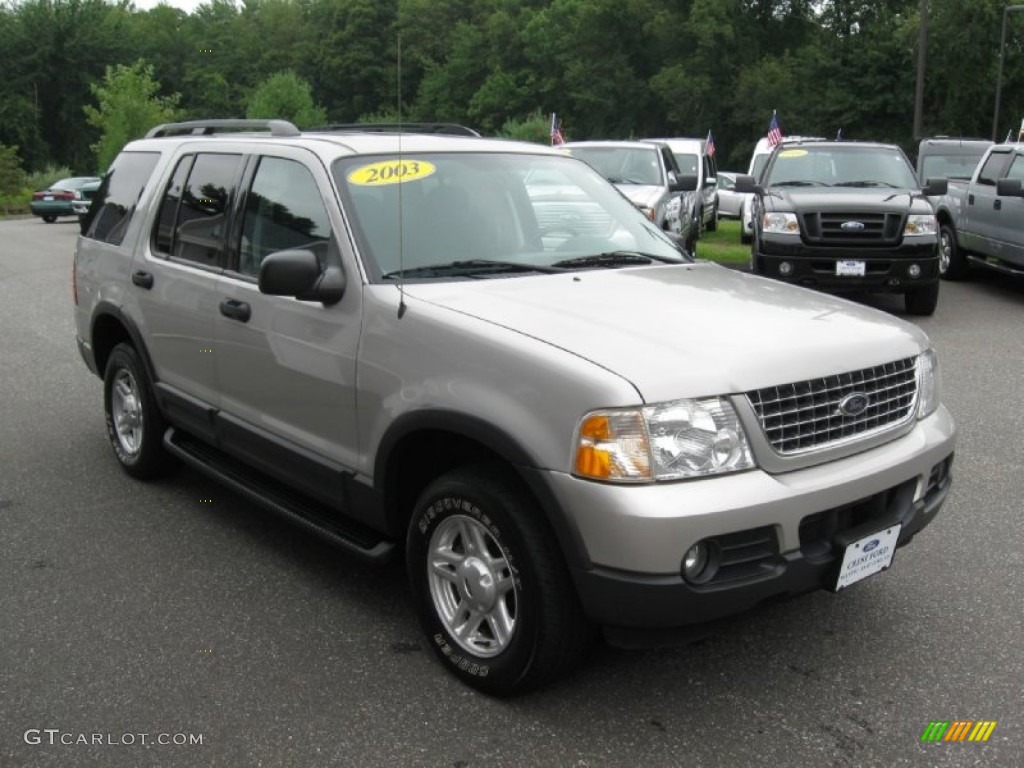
{"points": [[114, 202]]}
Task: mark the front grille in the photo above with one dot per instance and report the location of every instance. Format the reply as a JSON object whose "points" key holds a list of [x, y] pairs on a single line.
{"points": [[826, 228], [806, 416]]}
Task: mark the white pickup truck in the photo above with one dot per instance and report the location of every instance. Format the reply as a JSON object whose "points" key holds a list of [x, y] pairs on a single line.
{"points": [[982, 220]]}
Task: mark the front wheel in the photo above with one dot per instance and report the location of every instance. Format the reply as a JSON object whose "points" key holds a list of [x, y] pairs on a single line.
{"points": [[922, 301], [952, 262], [490, 587], [713, 221]]}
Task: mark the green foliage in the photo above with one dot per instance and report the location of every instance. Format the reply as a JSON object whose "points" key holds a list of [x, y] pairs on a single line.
{"points": [[536, 128], [43, 178], [12, 177], [286, 96], [128, 107]]}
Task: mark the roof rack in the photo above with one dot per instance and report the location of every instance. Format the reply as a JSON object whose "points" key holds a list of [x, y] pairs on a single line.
{"points": [[453, 129], [210, 127]]}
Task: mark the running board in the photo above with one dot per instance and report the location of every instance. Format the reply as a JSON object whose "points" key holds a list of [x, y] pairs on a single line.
{"points": [[996, 264], [308, 513]]}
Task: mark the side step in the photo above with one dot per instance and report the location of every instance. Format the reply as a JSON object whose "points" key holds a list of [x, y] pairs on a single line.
{"points": [[277, 497], [998, 265]]}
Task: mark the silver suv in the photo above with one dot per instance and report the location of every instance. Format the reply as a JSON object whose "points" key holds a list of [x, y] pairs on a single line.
{"points": [[478, 354]]}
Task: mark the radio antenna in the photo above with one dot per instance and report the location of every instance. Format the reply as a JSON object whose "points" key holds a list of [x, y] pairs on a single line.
{"points": [[401, 219]]}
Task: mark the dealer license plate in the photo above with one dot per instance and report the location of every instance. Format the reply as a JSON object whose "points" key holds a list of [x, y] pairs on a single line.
{"points": [[868, 556], [47, 197], [850, 268]]}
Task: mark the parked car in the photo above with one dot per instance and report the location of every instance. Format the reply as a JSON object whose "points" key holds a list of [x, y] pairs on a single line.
{"points": [[943, 157], [404, 344], [692, 159], [981, 219], [847, 217], [57, 199], [646, 173], [732, 204]]}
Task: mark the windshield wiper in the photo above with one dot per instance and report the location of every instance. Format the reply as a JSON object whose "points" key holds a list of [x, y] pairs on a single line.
{"points": [[636, 182], [467, 268], [865, 183], [615, 259], [797, 183]]}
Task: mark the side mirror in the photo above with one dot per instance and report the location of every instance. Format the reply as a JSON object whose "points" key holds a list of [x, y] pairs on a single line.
{"points": [[711, 181], [935, 187], [1009, 188], [745, 184], [685, 183], [297, 273]]}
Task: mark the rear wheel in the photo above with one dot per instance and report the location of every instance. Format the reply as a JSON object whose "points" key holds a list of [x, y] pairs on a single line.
{"points": [[135, 426], [952, 262], [922, 301], [49, 219], [490, 587]]}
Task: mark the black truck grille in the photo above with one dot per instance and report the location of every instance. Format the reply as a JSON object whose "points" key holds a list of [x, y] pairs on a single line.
{"points": [[852, 228], [814, 414]]}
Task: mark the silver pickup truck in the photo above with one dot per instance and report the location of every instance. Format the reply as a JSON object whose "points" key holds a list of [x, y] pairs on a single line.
{"points": [[982, 220]]}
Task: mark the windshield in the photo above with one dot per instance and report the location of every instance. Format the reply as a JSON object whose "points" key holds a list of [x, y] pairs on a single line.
{"points": [[689, 164], [950, 166], [840, 165], [433, 216], [623, 165]]}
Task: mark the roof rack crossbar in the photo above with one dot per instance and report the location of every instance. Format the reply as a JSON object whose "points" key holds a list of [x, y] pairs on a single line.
{"points": [[210, 127], [445, 128]]}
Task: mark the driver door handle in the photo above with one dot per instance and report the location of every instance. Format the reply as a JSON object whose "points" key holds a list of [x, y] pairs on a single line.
{"points": [[237, 310]]}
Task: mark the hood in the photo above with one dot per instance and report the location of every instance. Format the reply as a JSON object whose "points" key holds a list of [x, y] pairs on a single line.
{"points": [[641, 194], [875, 199], [688, 330]]}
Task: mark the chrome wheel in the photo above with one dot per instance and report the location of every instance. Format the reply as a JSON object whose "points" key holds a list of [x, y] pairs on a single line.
{"points": [[945, 250], [126, 410], [472, 586]]}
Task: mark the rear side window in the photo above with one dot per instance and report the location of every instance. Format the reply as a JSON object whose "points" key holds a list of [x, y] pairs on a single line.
{"points": [[115, 200], [1016, 169], [192, 221]]}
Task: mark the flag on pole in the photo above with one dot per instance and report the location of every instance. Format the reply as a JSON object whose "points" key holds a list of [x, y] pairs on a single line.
{"points": [[1009, 137], [839, 135], [1020, 136], [709, 146], [556, 131], [774, 131]]}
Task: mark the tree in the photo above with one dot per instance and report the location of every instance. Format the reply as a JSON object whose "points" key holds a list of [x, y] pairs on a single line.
{"points": [[288, 97], [128, 107], [12, 177]]}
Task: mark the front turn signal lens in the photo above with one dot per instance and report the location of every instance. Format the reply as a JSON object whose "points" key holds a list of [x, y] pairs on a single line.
{"points": [[613, 445]]}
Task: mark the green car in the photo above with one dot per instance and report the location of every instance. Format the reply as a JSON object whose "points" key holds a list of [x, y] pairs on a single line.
{"points": [[57, 199]]}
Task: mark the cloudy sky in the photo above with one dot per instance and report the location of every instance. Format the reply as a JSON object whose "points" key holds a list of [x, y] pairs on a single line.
{"points": [[185, 5]]}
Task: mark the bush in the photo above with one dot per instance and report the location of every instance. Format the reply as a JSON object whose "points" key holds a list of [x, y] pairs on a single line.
{"points": [[45, 177], [535, 128]]}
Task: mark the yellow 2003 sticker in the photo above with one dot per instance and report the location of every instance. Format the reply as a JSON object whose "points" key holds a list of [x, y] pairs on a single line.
{"points": [[391, 172], [793, 153]]}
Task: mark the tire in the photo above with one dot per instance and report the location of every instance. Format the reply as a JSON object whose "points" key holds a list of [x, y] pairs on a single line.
{"points": [[480, 557], [922, 301], [952, 262], [135, 426], [713, 223], [49, 218]]}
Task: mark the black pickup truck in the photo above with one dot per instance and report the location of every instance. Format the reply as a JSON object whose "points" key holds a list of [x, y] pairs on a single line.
{"points": [[846, 217]]}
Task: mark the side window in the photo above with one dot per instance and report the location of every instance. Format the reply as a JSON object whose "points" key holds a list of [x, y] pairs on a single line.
{"points": [[1016, 168], [112, 209], [283, 210], [994, 168], [193, 215]]}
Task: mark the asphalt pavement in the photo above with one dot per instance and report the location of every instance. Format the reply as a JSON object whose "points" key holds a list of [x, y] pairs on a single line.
{"points": [[171, 624]]}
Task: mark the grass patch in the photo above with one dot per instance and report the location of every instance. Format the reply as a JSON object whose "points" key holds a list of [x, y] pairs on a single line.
{"points": [[723, 245]]}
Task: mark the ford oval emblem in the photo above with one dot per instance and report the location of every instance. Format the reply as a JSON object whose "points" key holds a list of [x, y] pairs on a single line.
{"points": [[853, 404], [852, 226], [871, 545]]}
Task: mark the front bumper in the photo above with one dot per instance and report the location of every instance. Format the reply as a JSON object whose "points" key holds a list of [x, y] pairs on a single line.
{"points": [[885, 269], [785, 534]]}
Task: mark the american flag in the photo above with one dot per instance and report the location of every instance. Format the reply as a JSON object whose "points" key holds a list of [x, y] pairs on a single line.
{"points": [[556, 131], [709, 147], [774, 131]]}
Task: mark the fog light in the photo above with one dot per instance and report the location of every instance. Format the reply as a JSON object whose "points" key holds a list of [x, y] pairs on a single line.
{"points": [[914, 270], [785, 268], [695, 561]]}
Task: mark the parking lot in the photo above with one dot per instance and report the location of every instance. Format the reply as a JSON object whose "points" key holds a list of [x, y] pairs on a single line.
{"points": [[229, 638]]}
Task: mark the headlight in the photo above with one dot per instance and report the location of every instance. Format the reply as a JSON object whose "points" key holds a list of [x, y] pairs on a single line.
{"points": [[666, 441], [780, 223], [928, 384], [920, 224]]}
